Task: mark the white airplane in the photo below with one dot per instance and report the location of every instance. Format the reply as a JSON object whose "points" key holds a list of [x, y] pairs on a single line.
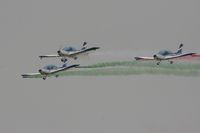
{"points": [[70, 52], [49, 70], [166, 55]]}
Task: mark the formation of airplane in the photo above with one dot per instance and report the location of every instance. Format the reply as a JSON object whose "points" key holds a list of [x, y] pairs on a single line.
{"points": [[166, 55], [65, 53], [49, 70], [70, 52]]}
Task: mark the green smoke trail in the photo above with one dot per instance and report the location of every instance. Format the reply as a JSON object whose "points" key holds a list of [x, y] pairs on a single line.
{"points": [[135, 68]]}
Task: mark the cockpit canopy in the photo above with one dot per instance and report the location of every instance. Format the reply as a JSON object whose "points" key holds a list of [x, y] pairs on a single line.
{"points": [[69, 49], [165, 52], [50, 67]]}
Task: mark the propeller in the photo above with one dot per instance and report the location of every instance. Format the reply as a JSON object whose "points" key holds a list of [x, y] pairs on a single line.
{"points": [[60, 48], [40, 70], [39, 65]]}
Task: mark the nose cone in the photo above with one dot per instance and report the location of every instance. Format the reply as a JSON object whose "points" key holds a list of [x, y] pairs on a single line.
{"points": [[59, 52], [39, 70]]}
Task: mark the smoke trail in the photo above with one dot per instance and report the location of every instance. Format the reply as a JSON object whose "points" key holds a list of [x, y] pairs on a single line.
{"points": [[134, 68]]}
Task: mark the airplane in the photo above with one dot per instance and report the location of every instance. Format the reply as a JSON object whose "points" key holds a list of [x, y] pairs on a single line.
{"points": [[166, 55], [49, 70], [70, 52]]}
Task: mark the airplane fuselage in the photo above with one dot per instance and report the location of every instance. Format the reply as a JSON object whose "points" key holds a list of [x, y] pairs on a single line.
{"points": [[63, 53], [46, 72], [161, 57]]}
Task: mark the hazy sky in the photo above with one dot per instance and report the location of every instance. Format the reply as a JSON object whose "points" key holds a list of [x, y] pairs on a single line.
{"points": [[143, 104]]}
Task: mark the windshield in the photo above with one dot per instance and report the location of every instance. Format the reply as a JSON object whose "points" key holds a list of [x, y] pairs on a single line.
{"points": [[50, 67], [69, 49], [165, 52]]}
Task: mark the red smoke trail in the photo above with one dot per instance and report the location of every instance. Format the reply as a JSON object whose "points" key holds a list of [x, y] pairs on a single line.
{"points": [[190, 57]]}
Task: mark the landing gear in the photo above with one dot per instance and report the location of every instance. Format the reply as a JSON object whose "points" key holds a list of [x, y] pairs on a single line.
{"points": [[171, 62], [158, 63], [57, 76], [75, 58], [64, 60], [44, 78]]}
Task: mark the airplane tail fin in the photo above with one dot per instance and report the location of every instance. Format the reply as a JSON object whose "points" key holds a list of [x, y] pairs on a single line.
{"points": [[84, 45], [180, 49]]}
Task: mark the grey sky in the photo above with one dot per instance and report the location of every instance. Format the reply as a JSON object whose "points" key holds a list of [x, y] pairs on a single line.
{"points": [[96, 104]]}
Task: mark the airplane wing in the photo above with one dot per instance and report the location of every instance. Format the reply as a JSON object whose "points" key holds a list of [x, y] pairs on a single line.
{"points": [[144, 58], [84, 51], [49, 56], [38, 75], [179, 56], [91, 49], [31, 75]]}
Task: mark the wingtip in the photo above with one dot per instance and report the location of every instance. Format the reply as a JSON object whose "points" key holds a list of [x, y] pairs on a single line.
{"points": [[97, 48], [40, 57], [137, 58], [24, 75]]}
